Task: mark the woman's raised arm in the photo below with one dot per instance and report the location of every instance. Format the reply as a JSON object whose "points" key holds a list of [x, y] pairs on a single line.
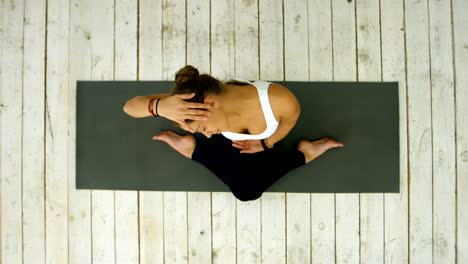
{"points": [[138, 106], [172, 107]]}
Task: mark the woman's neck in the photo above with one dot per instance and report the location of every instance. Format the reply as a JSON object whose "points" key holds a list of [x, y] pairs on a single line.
{"points": [[235, 103]]}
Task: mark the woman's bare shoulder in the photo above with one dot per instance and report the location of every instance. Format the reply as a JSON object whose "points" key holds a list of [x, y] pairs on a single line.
{"points": [[279, 90], [283, 101]]}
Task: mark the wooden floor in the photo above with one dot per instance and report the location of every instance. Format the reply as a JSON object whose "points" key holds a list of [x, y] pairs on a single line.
{"points": [[46, 45]]}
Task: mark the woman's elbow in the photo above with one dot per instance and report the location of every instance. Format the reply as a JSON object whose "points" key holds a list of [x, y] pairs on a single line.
{"points": [[129, 108]]}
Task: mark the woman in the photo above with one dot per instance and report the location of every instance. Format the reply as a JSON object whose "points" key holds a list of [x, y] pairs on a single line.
{"points": [[251, 117]]}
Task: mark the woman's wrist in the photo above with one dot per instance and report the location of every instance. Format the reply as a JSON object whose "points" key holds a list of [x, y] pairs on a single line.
{"points": [[266, 145], [153, 106]]}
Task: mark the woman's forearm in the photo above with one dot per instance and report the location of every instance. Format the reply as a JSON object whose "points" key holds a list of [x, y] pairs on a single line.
{"points": [[138, 106], [284, 127]]}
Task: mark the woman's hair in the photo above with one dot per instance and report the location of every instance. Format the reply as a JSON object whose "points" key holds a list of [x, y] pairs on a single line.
{"points": [[189, 80]]}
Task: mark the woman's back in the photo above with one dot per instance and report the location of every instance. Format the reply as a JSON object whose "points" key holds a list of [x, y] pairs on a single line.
{"points": [[261, 121]]}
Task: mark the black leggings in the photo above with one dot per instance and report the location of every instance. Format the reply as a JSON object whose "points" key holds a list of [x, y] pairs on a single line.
{"points": [[246, 175]]}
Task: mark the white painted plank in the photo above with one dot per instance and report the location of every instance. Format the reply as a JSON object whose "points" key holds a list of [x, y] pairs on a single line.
{"points": [[271, 50], [199, 203], [344, 40], [321, 69], [369, 69], [296, 52], [33, 132], [175, 203], [103, 226], [248, 231], [174, 37], [101, 35], [296, 61], [460, 36], [151, 228], [150, 40], [224, 228], [92, 59], [175, 227], [419, 132], [320, 41], [11, 133], [57, 94], [298, 228], [198, 34], [150, 68], [222, 66], [393, 69], [79, 201], [344, 69], [368, 40], [273, 205], [371, 223], [347, 228], [443, 122], [323, 228], [246, 40], [126, 227], [199, 227], [222, 39], [126, 202], [126, 19], [1, 118]]}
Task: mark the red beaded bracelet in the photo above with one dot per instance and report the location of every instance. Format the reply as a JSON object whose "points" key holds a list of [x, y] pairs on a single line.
{"points": [[150, 107]]}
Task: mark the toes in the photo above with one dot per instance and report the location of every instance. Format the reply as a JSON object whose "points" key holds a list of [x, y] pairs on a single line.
{"points": [[158, 137], [337, 144], [166, 134], [170, 133], [163, 136]]}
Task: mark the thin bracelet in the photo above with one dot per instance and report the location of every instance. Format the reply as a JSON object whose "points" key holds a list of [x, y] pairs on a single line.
{"points": [[266, 145], [150, 107], [156, 107]]}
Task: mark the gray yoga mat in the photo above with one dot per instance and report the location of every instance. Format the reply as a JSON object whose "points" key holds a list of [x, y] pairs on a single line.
{"points": [[116, 151]]}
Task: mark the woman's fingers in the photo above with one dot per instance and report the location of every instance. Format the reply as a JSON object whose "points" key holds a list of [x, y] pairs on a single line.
{"points": [[198, 112], [196, 117], [239, 144], [197, 105], [238, 147], [185, 96]]}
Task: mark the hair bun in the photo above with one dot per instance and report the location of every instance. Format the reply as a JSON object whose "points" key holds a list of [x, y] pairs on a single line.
{"points": [[186, 74]]}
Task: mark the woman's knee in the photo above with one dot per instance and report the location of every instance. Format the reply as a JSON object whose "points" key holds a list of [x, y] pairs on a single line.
{"points": [[245, 195]]}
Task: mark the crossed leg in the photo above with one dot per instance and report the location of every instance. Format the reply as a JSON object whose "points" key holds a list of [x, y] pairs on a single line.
{"points": [[185, 145]]}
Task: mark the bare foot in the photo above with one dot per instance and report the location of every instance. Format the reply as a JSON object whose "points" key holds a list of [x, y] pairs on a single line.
{"points": [[316, 148], [185, 145]]}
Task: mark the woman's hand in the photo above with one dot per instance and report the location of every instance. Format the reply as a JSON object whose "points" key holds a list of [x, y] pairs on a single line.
{"points": [[248, 146], [176, 109]]}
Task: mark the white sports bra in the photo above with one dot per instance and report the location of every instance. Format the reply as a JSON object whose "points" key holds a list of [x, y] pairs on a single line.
{"points": [[272, 124]]}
